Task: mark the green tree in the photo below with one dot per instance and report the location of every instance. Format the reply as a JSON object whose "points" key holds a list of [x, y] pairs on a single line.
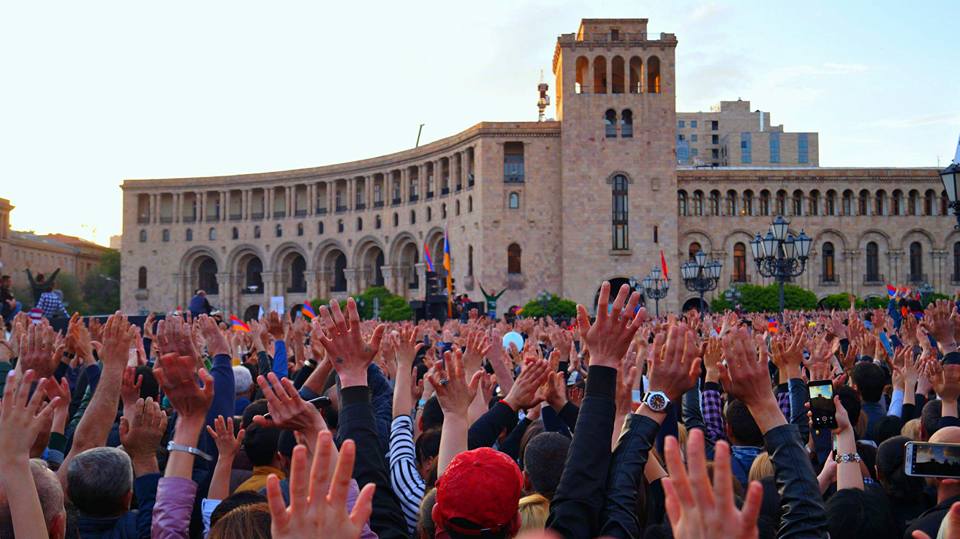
{"points": [[392, 307], [72, 294], [101, 288], [555, 306], [754, 298]]}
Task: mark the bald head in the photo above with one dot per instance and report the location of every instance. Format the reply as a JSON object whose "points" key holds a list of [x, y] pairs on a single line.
{"points": [[946, 435], [51, 501]]}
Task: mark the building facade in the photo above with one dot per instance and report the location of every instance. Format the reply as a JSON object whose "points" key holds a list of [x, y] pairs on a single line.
{"points": [[556, 206], [20, 251]]}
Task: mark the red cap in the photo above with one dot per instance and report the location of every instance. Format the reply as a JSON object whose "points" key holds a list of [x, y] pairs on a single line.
{"points": [[483, 487]]}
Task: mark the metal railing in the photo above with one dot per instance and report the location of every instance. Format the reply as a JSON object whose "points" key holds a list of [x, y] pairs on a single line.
{"points": [[876, 278]]}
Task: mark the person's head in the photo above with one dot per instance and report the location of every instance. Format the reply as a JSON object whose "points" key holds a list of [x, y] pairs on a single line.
{"points": [[100, 482], [426, 529], [762, 467], [946, 488], [233, 501], [6, 281], [533, 429], [930, 418], [534, 510], [248, 521], [888, 427], [260, 444], [201, 292], [740, 425], [431, 417], [890, 470], [51, 502], [257, 407], [543, 462], [243, 381], [40, 278], [494, 482], [869, 379], [427, 448], [911, 429], [859, 513]]}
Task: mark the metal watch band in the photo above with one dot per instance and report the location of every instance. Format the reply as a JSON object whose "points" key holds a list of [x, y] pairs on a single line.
{"points": [[847, 457], [187, 449]]}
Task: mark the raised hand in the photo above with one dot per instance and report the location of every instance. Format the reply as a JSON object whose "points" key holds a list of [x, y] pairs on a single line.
{"points": [[940, 320], [216, 343], [523, 394], [141, 430], [318, 499], [788, 355], [449, 379], [746, 377], [407, 347], [117, 338], [228, 443], [78, 340], [478, 345], [177, 376], [609, 336], [712, 355], [287, 408], [130, 386], [350, 353], [22, 417], [676, 369], [38, 352], [699, 509], [175, 335]]}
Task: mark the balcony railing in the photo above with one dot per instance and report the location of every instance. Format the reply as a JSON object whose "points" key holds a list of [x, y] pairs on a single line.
{"points": [[734, 279], [143, 220], [166, 219], [829, 280], [917, 278], [513, 178], [341, 209], [321, 211], [377, 203], [414, 198], [189, 219], [429, 195], [300, 213], [445, 191], [876, 278], [279, 214], [256, 216], [236, 217], [361, 206], [258, 289], [396, 201]]}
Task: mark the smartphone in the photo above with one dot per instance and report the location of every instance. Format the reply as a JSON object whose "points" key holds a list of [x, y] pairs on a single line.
{"points": [[132, 357], [926, 459], [885, 341], [821, 404]]}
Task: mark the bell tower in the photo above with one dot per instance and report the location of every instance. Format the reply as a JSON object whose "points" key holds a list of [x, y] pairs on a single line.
{"points": [[615, 99]]}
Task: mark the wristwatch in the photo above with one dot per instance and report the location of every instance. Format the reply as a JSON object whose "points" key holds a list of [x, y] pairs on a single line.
{"points": [[187, 449], [656, 400], [847, 457]]}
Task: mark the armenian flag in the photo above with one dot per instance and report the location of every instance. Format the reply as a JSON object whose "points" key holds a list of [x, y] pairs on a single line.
{"points": [[773, 326], [446, 266], [663, 266], [238, 324], [426, 256], [307, 311], [891, 290]]}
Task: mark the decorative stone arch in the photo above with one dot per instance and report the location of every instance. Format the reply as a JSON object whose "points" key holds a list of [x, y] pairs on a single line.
{"points": [[406, 264], [883, 268], [612, 175], [616, 281], [330, 262], [246, 264], [917, 234], [434, 239], [369, 259], [699, 236], [289, 267], [832, 235], [283, 251], [397, 246], [195, 259]]}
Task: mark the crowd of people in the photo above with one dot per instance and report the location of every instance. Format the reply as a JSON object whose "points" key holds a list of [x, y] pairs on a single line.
{"points": [[620, 425]]}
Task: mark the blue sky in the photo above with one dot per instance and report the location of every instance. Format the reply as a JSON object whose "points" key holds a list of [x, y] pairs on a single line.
{"points": [[95, 92]]}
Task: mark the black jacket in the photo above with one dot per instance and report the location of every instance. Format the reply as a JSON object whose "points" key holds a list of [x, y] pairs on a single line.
{"points": [[487, 428], [357, 423], [930, 520], [576, 507], [803, 513], [625, 478]]}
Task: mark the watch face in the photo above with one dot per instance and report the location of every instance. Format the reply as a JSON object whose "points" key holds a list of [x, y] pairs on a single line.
{"points": [[657, 401]]}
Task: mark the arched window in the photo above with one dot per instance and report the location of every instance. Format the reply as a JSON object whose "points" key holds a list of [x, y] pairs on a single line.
{"points": [[873, 263], [600, 75], [469, 204], [814, 202], [583, 65], [682, 202], [626, 123], [143, 236], [879, 206], [714, 207], [797, 202], [212, 234], [610, 123], [443, 211], [863, 202], [396, 219], [320, 227], [693, 249], [377, 222], [764, 202], [253, 277], [256, 232], [514, 254], [359, 223], [829, 269], [620, 213], [339, 273], [747, 202], [413, 217], [698, 202], [340, 226], [235, 233], [429, 214], [956, 262], [513, 201], [896, 203], [470, 261], [653, 75], [944, 203], [165, 235], [142, 277], [781, 202], [831, 203], [636, 75], [739, 262], [456, 207], [732, 203], [278, 230], [207, 277], [916, 262], [912, 200], [189, 234], [929, 202], [617, 72], [299, 229], [847, 203], [298, 284]]}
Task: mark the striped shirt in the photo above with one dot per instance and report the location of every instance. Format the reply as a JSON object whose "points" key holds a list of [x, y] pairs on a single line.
{"points": [[404, 476], [52, 305]]}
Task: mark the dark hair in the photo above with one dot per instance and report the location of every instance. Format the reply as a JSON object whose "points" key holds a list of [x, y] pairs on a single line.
{"points": [[543, 461], [850, 400], [887, 428], [248, 521], [900, 487], [930, 417], [149, 387], [286, 442], [859, 513], [260, 444], [257, 407], [233, 501], [427, 445], [870, 380], [742, 425], [432, 415], [533, 429]]}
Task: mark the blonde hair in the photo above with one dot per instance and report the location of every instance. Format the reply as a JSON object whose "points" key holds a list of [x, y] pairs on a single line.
{"points": [[911, 429], [534, 510], [762, 467], [682, 435]]}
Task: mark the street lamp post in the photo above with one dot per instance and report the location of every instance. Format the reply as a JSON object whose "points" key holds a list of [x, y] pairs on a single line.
{"points": [[950, 177], [655, 286], [780, 254], [700, 275], [733, 295]]}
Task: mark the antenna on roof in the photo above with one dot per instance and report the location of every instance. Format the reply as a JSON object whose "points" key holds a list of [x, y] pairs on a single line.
{"points": [[544, 100], [420, 130]]}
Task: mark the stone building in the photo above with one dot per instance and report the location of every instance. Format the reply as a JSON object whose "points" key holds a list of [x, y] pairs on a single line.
{"points": [[20, 250], [557, 205]]}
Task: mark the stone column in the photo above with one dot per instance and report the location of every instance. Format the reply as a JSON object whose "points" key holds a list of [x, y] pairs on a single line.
{"points": [[311, 199], [893, 263], [323, 279], [351, 275], [421, 269], [269, 283], [310, 276], [225, 298], [851, 258], [392, 279]]}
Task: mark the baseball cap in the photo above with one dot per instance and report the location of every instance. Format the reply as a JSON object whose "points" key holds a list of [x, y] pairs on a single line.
{"points": [[478, 493]]}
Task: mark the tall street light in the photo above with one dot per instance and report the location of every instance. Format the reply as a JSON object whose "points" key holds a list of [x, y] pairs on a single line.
{"points": [[700, 275], [950, 177], [656, 287], [781, 255]]}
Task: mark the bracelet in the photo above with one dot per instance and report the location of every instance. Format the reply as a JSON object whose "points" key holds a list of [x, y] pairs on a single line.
{"points": [[187, 449], [847, 457]]}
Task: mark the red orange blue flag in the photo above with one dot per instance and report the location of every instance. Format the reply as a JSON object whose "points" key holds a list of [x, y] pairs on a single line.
{"points": [[426, 256], [307, 311], [891, 290], [238, 324]]}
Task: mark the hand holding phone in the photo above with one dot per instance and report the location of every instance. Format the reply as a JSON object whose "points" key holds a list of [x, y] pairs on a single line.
{"points": [[822, 408]]}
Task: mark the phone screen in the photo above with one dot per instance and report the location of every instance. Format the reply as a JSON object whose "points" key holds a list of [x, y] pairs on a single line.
{"points": [[821, 404], [927, 459]]}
